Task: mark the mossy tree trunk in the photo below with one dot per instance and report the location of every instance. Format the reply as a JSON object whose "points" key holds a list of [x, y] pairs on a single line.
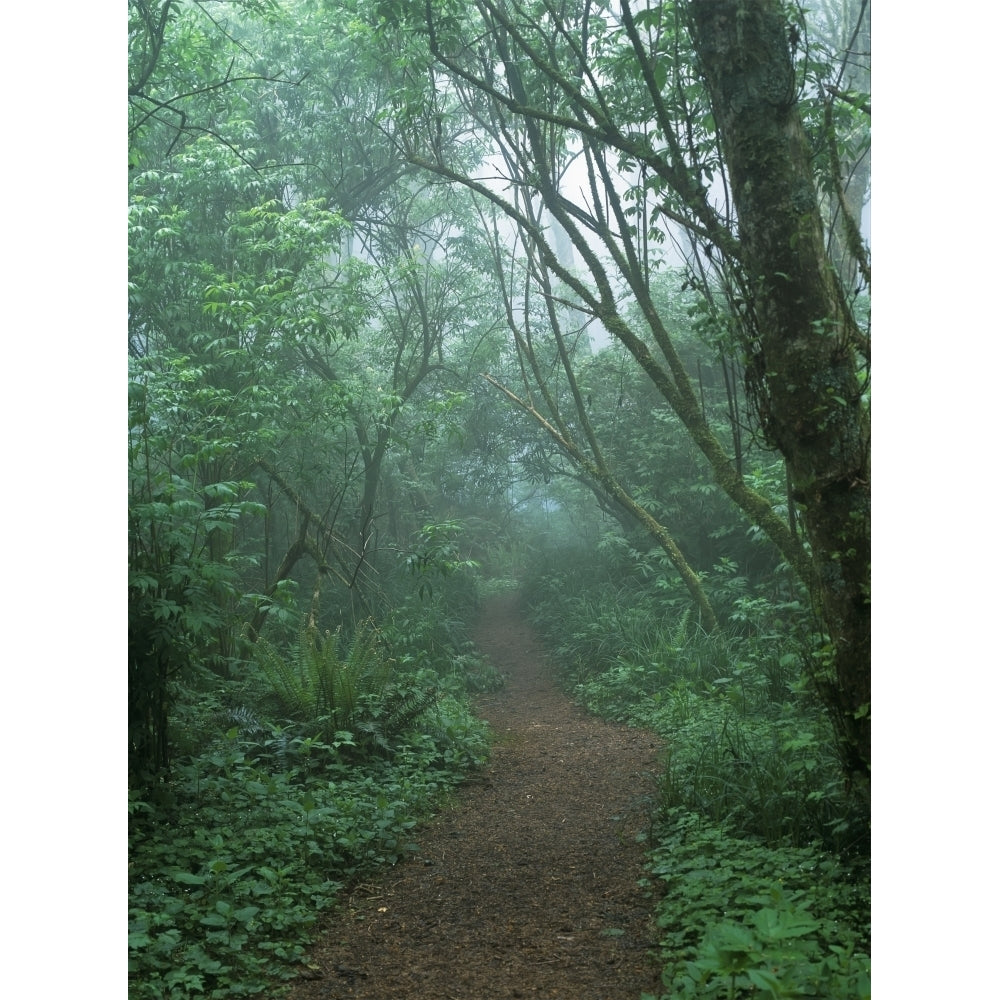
{"points": [[804, 346], [536, 93]]}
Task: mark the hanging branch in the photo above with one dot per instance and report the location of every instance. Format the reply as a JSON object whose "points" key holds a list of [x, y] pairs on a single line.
{"points": [[616, 492], [322, 530], [855, 100]]}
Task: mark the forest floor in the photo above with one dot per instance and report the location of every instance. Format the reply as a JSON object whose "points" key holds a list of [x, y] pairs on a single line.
{"points": [[526, 883]]}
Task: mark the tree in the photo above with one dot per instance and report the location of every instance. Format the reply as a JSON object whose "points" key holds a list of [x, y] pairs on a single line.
{"points": [[284, 356], [175, 89], [806, 343], [689, 123]]}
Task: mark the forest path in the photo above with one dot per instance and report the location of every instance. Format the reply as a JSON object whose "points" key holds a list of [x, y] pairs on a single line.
{"points": [[525, 885]]}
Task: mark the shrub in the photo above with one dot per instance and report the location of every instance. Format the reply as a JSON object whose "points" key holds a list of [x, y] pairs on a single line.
{"points": [[311, 775], [740, 919]]}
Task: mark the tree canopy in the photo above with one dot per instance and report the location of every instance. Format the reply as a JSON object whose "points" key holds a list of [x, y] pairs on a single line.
{"points": [[407, 266], [432, 298]]}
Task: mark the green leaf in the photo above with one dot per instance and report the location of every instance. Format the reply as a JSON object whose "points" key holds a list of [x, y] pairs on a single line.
{"points": [[778, 925], [187, 878], [767, 981]]}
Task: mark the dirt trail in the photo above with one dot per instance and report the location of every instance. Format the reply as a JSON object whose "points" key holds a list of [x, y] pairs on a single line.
{"points": [[527, 885]]}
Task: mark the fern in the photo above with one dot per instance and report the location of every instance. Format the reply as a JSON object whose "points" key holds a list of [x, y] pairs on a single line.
{"points": [[364, 671], [393, 716], [317, 685], [246, 723], [679, 633], [286, 676]]}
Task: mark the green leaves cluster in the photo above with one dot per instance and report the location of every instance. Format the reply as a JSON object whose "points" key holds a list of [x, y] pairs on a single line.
{"points": [[291, 374], [184, 573], [738, 919], [747, 744], [438, 554], [318, 685], [236, 857]]}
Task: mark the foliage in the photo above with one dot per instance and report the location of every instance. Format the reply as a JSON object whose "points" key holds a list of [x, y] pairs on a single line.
{"points": [[319, 687], [276, 367], [236, 856], [652, 451], [747, 743], [183, 572], [181, 71], [738, 919], [423, 637], [437, 554], [309, 774], [775, 776]]}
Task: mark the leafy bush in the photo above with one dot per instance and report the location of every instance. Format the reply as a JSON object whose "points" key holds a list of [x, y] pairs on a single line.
{"points": [[424, 634], [437, 554], [777, 778], [355, 692], [739, 919], [183, 572], [747, 745]]}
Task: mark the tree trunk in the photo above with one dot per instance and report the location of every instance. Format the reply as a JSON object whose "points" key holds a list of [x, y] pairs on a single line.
{"points": [[803, 343]]}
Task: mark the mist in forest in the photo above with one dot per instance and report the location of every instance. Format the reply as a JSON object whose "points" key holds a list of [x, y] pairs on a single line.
{"points": [[431, 304]]}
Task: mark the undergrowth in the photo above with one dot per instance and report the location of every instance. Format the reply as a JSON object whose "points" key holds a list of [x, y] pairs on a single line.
{"points": [[739, 918], [758, 851], [310, 775]]}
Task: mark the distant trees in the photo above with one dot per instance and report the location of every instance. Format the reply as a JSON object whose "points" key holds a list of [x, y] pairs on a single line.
{"points": [[712, 123], [339, 219], [298, 340]]}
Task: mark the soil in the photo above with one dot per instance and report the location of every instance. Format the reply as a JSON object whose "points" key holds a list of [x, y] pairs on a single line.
{"points": [[526, 885]]}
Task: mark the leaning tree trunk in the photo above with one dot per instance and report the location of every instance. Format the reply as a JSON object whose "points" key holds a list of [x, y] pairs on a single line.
{"points": [[803, 344]]}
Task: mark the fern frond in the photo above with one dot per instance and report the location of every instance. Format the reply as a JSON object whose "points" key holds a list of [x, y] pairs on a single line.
{"points": [[286, 682], [324, 666], [679, 634], [392, 717], [343, 692]]}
